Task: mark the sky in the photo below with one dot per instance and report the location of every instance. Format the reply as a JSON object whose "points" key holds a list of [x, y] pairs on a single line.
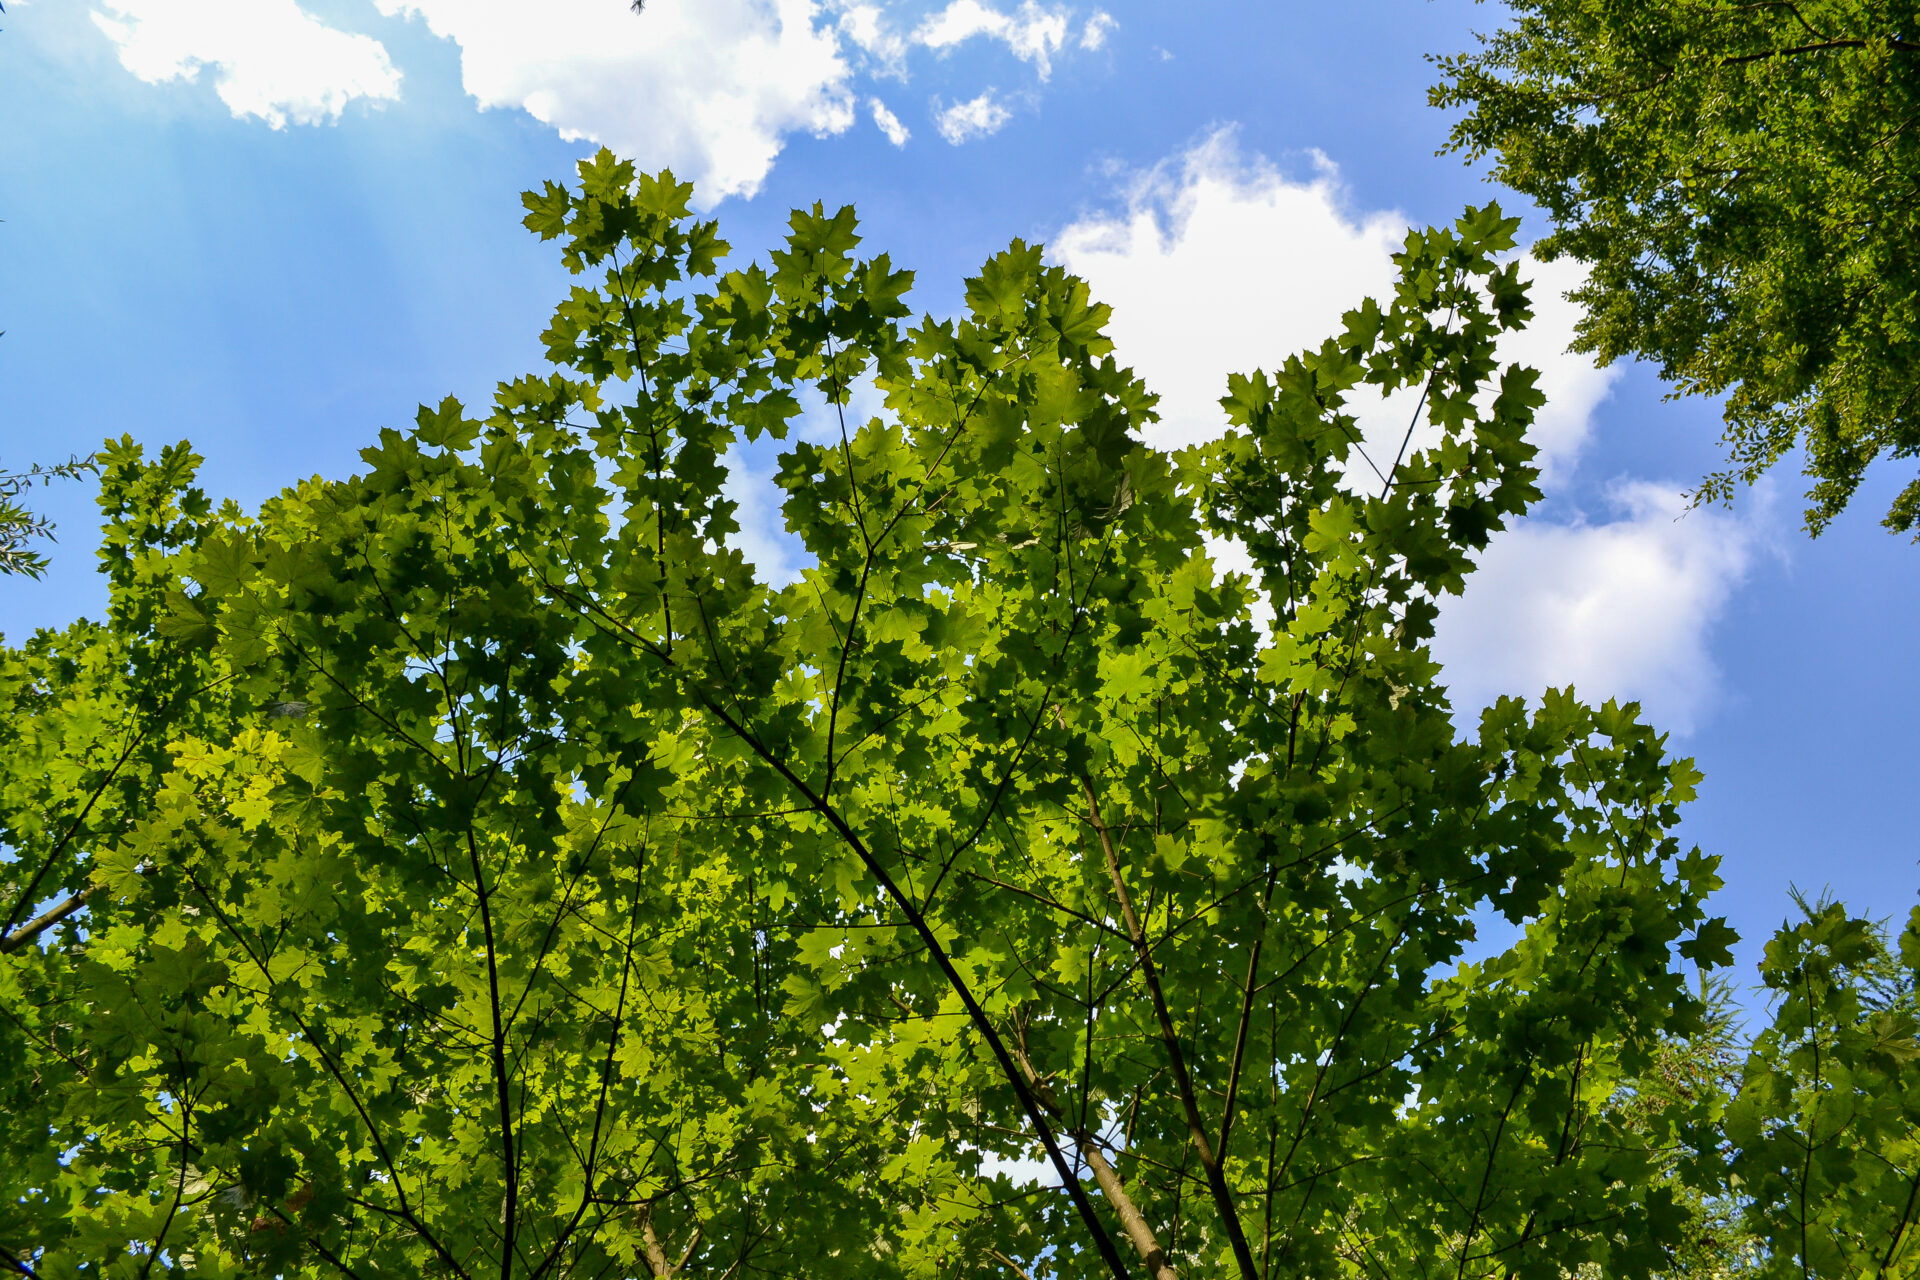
{"points": [[272, 227]]}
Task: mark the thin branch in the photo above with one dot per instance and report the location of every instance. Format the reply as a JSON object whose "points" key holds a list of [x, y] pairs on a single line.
{"points": [[1009, 1264], [179, 1189], [1486, 1175], [1087, 1148], [73, 828], [591, 1163]]}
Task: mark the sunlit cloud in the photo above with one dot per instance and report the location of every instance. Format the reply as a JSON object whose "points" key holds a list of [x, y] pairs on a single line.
{"points": [[270, 60]]}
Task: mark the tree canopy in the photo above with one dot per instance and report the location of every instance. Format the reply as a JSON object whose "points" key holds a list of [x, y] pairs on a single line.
{"points": [[1741, 178], [474, 867]]}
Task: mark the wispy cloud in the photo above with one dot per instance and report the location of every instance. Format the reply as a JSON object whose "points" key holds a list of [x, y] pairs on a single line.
{"points": [[1034, 34], [866, 26], [711, 88], [1099, 27], [897, 133], [974, 118]]}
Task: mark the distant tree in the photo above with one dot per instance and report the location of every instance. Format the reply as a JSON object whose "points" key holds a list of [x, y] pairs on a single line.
{"points": [[1795, 1152], [1680, 1102], [473, 868], [1741, 177]]}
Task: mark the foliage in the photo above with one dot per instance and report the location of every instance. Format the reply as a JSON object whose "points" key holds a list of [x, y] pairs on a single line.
{"points": [[19, 524], [474, 867], [1826, 1125], [1740, 177], [1797, 1150]]}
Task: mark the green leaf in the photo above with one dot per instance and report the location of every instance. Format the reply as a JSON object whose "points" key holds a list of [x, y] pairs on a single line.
{"points": [[1711, 945], [446, 427]]}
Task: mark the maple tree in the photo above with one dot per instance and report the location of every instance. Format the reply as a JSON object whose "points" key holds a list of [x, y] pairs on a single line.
{"points": [[475, 867]]}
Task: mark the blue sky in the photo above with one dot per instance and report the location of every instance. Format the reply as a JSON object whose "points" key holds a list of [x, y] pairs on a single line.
{"points": [[273, 227]]}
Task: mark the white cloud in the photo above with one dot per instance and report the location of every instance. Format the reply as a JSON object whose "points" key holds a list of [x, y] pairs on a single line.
{"points": [[974, 118], [271, 58], [1573, 385], [866, 26], [960, 21], [1034, 35], [1216, 262], [709, 87], [897, 133], [1621, 609]]}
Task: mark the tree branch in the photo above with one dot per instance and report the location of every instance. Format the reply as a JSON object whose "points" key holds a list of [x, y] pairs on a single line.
{"points": [[1170, 1038], [66, 837], [1135, 1226], [405, 1212], [591, 1163], [18, 1263], [1892, 42], [502, 1087], [1009, 1264], [1246, 1016], [33, 928], [1139, 1231]]}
